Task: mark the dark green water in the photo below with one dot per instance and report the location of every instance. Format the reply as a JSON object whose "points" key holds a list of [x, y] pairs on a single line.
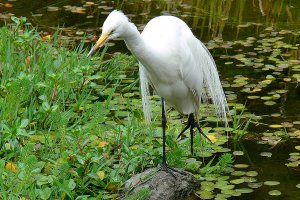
{"points": [[213, 21]]}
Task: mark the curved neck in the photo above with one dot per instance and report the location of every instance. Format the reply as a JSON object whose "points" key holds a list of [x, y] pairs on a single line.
{"points": [[135, 42]]}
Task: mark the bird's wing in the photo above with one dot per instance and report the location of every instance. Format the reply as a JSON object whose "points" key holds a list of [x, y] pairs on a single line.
{"points": [[144, 83], [201, 75]]}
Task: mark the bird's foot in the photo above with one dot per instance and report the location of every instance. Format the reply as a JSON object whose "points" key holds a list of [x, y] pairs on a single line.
{"points": [[191, 124], [165, 167]]}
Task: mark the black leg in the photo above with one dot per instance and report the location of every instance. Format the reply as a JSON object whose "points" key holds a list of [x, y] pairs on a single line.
{"points": [[190, 119], [191, 124], [201, 132], [192, 139], [164, 166], [163, 123]]}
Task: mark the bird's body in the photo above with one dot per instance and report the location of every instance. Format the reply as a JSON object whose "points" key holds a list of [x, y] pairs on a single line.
{"points": [[173, 61], [170, 74]]}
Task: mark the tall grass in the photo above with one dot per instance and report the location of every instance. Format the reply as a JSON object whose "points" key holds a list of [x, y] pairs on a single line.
{"points": [[54, 138]]}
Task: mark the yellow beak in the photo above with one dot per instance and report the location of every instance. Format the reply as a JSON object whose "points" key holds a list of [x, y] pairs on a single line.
{"points": [[99, 43]]}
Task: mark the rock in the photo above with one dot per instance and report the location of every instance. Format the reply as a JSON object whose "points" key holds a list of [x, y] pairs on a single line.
{"points": [[156, 184]]}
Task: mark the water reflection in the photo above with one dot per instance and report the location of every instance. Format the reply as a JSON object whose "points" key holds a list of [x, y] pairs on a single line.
{"points": [[208, 19]]}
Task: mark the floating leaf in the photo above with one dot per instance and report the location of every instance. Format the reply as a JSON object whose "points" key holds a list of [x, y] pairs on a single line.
{"points": [[271, 183], [207, 185], [237, 181], [204, 194], [266, 154], [267, 98], [241, 80], [274, 193], [270, 77], [293, 164], [245, 190], [238, 153], [248, 179], [255, 185], [238, 173], [270, 103], [251, 173], [228, 192], [241, 165]]}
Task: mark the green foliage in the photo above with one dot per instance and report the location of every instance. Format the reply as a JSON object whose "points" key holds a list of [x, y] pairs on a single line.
{"points": [[225, 160], [240, 125], [54, 129]]}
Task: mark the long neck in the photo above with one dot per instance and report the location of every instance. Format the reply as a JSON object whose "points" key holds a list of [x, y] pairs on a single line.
{"points": [[139, 48], [135, 42]]}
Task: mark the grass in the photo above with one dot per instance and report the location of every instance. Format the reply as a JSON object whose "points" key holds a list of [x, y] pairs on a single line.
{"points": [[71, 127], [239, 126], [55, 141]]}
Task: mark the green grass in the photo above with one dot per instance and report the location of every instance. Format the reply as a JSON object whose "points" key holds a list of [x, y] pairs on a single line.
{"points": [[56, 140], [71, 127]]}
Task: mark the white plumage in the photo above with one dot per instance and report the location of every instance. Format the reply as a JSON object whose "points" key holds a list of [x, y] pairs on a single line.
{"points": [[179, 66], [172, 60]]}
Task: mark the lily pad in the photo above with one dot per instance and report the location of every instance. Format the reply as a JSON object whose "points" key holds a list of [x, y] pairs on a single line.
{"points": [[248, 179], [270, 103], [274, 193], [205, 194], [238, 173], [245, 190], [238, 153], [271, 183], [255, 185], [207, 186], [252, 173], [266, 154], [221, 184], [237, 181], [241, 166], [293, 164]]}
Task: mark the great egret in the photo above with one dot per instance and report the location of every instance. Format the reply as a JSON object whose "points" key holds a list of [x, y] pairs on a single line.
{"points": [[174, 62]]}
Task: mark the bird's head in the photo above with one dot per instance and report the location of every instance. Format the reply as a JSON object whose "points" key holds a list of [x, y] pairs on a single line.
{"points": [[114, 27]]}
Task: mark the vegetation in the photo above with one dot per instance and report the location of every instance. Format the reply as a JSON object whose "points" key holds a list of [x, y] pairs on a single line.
{"points": [[63, 133], [54, 141], [72, 128]]}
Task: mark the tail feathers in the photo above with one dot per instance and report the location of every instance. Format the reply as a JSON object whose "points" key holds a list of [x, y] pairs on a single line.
{"points": [[213, 85], [144, 83]]}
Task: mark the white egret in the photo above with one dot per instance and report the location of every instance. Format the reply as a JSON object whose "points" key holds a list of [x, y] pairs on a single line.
{"points": [[174, 62]]}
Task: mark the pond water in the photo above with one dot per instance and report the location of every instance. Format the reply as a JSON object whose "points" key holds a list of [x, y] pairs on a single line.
{"points": [[256, 46]]}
